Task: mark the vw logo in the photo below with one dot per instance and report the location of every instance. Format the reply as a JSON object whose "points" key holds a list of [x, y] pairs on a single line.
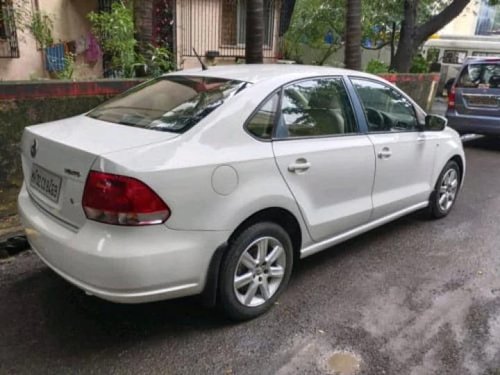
{"points": [[34, 148]]}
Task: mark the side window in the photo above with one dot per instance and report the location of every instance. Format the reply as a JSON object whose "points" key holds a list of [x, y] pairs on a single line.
{"points": [[386, 109], [261, 123], [316, 107]]}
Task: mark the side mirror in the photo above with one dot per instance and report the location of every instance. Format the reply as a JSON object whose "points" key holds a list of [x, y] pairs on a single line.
{"points": [[435, 123]]}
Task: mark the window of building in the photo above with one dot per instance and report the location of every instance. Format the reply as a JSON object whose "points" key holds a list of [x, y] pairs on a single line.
{"points": [[233, 23], [3, 29], [9, 47]]}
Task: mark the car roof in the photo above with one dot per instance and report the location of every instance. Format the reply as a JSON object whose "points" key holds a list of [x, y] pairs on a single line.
{"points": [[255, 73]]}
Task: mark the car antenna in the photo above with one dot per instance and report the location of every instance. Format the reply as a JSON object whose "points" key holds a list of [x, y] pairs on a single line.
{"points": [[203, 66]]}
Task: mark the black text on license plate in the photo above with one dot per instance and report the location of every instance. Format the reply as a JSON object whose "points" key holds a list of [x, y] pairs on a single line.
{"points": [[45, 182]]}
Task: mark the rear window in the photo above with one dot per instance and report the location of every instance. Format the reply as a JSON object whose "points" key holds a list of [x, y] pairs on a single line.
{"points": [[172, 104], [480, 75]]}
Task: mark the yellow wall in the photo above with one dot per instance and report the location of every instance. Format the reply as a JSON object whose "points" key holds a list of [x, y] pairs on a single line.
{"points": [[465, 23], [70, 23]]}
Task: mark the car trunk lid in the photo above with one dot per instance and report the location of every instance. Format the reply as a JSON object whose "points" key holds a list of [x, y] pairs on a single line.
{"points": [[58, 156]]}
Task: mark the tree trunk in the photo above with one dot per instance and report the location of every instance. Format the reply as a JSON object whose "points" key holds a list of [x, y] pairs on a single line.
{"points": [[143, 20], [406, 45], [254, 42], [353, 35], [412, 35]]}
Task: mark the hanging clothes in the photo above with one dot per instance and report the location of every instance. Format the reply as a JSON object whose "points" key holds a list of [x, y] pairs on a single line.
{"points": [[93, 52]]}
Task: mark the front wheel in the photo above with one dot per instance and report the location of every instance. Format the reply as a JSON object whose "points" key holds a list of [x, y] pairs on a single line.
{"points": [[445, 194], [255, 270]]}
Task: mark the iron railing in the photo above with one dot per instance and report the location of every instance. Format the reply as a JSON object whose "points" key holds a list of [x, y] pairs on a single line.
{"points": [[217, 28], [9, 45]]}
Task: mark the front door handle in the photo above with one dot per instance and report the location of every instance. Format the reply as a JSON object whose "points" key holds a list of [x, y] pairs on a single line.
{"points": [[385, 153], [300, 165]]}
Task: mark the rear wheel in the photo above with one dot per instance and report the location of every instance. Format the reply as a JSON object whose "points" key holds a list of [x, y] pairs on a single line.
{"points": [[255, 270], [446, 190]]}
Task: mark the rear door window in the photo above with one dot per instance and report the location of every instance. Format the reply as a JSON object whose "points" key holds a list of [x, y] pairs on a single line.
{"points": [[172, 104], [480, 75], [315, 108]]}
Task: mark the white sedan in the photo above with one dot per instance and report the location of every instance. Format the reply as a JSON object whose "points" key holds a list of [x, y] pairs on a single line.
{"points": [[216, 182]]}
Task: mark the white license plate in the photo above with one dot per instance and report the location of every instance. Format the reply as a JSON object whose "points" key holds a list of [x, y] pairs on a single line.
{"points": [[45, 182]]}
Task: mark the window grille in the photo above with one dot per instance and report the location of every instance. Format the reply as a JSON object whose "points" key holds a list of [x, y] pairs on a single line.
{"points": [[9, 46]]}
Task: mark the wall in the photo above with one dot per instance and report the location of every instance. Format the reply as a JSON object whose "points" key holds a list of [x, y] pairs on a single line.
{"points": [[70, 23], [465, 23], [27, 103], [420, 87], [312, 56]]}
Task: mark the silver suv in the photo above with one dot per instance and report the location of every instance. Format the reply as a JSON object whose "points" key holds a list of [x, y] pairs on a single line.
{"points": [[474, 98]]}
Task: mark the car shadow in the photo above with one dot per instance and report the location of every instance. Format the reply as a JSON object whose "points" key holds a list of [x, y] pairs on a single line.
{"points": [[72, 323], [484, 143]]}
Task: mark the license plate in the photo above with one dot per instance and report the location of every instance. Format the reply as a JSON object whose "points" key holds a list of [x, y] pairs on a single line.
{"points": [[45, 182], [482, 100]]}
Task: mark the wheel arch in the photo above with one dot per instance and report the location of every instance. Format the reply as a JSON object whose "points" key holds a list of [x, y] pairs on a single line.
{"points": [[277, 215], [461, 164]]}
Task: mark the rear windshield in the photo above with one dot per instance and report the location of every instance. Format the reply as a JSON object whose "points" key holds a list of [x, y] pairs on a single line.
{"points": [[481, 75], [172, 104]]}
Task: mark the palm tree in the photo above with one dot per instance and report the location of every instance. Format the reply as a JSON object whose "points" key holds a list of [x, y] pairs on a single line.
{"points": [[254, 32], [353, 35]]}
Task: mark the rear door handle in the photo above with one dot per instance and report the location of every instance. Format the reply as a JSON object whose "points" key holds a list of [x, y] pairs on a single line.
{"points": [[421, 138], [385, 153], [300, 165]]}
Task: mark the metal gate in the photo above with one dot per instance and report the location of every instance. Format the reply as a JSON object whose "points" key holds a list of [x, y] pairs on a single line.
{"points": [[217, 28]]}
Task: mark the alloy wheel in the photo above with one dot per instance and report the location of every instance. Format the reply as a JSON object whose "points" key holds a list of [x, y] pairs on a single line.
{"points": [[259, 271], [448, 190]]}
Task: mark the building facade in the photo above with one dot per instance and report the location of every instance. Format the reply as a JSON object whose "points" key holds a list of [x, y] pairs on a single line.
{"points": [[21, 57], [213, 29]]}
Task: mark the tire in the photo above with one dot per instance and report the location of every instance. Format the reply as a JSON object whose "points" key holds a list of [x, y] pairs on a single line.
{"points": [[447, 185], [262, 282]]}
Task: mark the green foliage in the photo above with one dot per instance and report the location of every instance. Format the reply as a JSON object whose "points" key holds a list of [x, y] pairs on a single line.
{"points": [[419, 65], [115, 32], [69, 67], [41, 26], [158, 60], [312, 20], [377, 67]]}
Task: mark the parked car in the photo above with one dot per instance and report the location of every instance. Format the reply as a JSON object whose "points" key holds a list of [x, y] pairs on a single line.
{"points": [[474, 98], [216, 182]]}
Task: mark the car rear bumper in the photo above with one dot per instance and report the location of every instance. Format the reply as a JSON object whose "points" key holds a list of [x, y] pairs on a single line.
{"points": [[122, 264], [467, 124]]}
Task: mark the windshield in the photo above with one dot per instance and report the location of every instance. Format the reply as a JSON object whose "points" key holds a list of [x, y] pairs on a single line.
{"points": [[173, 104], [482, 75]]}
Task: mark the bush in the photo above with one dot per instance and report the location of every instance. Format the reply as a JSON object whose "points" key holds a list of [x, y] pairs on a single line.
{"points": [[115, 31], [377, 67], [419, 65]]}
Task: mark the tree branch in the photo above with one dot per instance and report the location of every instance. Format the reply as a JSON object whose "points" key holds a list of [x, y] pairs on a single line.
{"points": [[441, 19]]}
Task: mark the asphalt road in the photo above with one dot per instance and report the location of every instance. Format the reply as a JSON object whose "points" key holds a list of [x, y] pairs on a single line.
{"points": [[412, 297]]}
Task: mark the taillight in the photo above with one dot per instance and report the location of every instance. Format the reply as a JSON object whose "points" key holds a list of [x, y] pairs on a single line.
{"points": [[451, 97], [120, 200]]}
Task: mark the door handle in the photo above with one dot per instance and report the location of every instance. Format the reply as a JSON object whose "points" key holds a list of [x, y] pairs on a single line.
{"points": [[385, 153], [421, 138], [300, 165]]}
